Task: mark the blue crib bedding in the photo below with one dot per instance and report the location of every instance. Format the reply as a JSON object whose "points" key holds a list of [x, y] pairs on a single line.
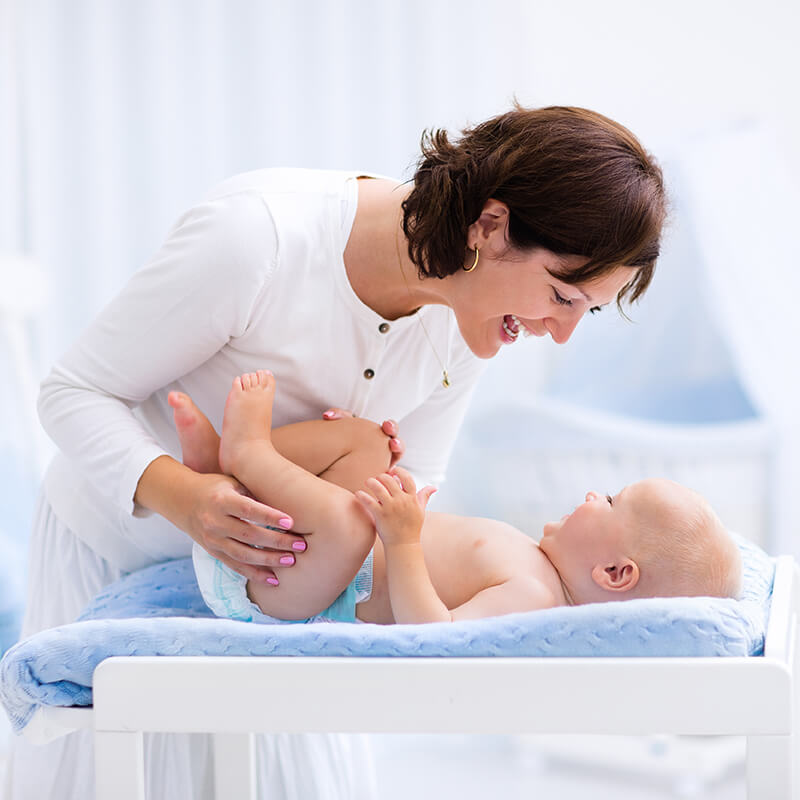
{"points": [[158, 611]]}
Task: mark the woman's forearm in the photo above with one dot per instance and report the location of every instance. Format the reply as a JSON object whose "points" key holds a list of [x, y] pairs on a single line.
{"points": [[96, 430], [153, 332], [167, 487], [214, 510], [411, 592]]}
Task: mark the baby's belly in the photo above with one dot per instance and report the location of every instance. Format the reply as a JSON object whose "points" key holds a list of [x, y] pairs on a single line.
{"points": [[458, 569]]}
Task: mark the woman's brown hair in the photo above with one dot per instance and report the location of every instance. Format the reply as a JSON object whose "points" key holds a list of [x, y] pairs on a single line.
{"points": [[575, 183]]}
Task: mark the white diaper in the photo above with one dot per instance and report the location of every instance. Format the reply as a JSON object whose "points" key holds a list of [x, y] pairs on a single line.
{"points": [[225, 592]]}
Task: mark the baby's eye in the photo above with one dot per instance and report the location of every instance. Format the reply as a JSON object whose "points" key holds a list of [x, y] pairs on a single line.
{"points": [[560, 299], [595, 309], [610, 501]]}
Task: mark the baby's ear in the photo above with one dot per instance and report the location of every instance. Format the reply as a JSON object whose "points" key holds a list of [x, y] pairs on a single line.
{"points": [[618, 577]]}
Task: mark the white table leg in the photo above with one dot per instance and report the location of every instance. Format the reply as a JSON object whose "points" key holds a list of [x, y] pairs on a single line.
{"points": [[119, 765], [770, 768], [234, 766]]}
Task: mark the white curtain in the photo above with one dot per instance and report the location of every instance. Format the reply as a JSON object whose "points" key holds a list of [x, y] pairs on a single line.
{"points": [[746, 208], [134, 109], [10, 152], [20, 298]]}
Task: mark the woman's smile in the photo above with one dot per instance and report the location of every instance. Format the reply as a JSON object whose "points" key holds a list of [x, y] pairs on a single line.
{"points": [[512, 327]]}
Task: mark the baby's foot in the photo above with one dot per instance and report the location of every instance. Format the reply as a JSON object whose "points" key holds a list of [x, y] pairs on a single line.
{"points": [[199, 441], [248, 416]]}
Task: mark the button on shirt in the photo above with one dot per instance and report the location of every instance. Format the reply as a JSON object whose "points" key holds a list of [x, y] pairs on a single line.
{"points": [[260, 262]]}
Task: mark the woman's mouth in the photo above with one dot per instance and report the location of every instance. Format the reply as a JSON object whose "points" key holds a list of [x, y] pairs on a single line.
{"points": [[512, 328]]}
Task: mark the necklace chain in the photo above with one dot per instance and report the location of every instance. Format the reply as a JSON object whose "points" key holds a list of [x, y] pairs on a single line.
{"points": [[445, 376]]}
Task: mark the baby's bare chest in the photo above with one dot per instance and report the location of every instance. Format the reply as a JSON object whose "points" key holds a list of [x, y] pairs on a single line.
{"points": [[465, 555]]}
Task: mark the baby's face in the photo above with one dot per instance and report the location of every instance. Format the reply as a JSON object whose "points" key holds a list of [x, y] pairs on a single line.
{"points": [[603, 526], [605, 531], [591, 531]]}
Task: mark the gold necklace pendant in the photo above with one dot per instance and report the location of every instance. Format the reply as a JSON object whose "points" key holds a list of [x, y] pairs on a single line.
{"points": [[445, 379]]}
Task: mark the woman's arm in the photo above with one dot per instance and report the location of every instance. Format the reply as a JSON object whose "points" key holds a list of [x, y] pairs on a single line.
{"points": [[215, 508], [194, 297]]}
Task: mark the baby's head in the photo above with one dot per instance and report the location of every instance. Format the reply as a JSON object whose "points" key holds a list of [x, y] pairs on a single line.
{"points": [[655, 538]]}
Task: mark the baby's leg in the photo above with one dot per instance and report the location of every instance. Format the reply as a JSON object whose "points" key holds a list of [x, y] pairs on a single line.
{"points": [[199, 441], [344, 451], [341, 534]]}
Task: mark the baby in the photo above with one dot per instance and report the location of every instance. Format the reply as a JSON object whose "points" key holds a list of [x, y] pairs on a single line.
{"points": [[655, 538]]}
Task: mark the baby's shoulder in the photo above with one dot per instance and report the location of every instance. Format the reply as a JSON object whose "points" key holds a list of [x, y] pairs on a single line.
{"points": [[532, 592], [490, 531]]}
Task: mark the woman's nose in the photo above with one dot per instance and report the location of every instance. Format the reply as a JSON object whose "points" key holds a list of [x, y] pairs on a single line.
{"points": [[561, 329]]}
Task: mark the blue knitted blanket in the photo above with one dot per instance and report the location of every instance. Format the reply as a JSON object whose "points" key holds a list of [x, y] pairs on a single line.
{"points": [[158, 611]]}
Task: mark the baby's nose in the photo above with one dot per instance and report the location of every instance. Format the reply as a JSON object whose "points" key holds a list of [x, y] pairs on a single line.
{"points": [[591, 496]]}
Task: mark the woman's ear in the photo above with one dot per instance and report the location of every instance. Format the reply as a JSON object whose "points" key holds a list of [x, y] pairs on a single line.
{"points": [[619, 577], [492, 224]]}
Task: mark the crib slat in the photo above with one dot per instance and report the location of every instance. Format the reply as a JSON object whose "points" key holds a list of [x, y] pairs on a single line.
{"points": [[769, 768], [119, 765], [234, 766]]}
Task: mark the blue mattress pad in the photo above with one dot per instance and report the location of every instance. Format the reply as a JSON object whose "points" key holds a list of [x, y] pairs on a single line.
{"points": [[158, 611]]}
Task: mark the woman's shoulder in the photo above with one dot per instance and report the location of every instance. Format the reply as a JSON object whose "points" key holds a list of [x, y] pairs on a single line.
{"points": [[278, 181]]}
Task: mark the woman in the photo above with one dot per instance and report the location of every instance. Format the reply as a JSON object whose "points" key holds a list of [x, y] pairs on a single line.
{"points": [[354, 290]]}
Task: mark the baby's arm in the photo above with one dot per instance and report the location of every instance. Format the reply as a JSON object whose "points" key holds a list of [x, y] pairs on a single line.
{"points": [[398, 511]]}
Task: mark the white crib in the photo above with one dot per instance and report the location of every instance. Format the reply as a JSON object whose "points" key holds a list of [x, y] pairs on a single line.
{"points": [[754, 697], [539, 457]]}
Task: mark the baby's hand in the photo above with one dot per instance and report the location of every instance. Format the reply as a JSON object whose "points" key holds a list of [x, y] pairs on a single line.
{"points": [[395, 506]]}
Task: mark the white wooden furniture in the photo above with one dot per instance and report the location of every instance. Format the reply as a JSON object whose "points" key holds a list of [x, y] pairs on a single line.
{"points": [[754, 697]]}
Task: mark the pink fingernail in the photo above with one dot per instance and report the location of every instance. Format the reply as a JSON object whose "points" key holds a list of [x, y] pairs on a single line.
{"points": [[328, 415], [273, 581], [285, 522], [298, 546], [288, 560]]}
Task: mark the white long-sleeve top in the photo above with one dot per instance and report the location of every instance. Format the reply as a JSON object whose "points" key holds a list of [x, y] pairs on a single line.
{"points": [[251, 278]]}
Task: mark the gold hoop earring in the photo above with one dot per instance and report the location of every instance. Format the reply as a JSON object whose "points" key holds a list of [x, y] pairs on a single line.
{"points": [[474, 263]]}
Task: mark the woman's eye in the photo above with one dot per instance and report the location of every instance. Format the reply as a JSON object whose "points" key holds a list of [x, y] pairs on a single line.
{"points": [[610, 501], [564, 301], [595, 309]]}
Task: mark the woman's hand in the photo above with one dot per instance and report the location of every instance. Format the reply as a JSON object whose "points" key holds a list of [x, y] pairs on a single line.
{"points": [[217, 512], [250, 537], [388, 426]]}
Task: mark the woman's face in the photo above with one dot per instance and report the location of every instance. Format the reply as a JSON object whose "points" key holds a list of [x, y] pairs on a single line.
{"points": [[511, 295]]}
